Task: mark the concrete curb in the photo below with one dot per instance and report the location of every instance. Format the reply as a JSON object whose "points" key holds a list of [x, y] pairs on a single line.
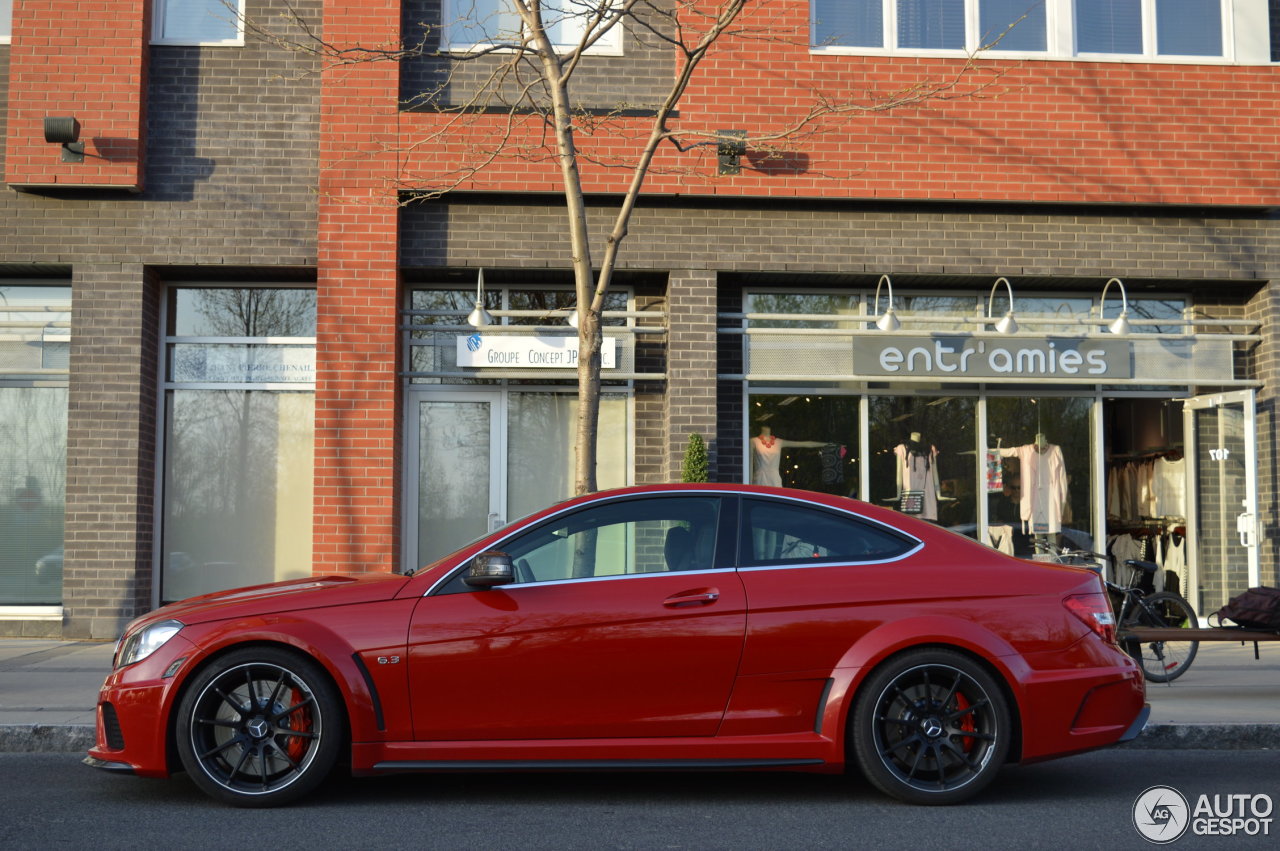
{"points": [[71, 738], [45, 738]]}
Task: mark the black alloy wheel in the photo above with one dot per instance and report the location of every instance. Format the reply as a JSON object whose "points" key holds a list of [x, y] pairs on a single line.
{"points": [[930, 726], [260, 727]]}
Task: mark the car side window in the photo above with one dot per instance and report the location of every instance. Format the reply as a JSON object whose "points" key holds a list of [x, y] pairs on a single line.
{"points": [[780, 533], [628, 536]]}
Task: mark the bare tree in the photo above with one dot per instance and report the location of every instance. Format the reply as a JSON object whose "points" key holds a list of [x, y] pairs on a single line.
{"points": [[519, 103]]}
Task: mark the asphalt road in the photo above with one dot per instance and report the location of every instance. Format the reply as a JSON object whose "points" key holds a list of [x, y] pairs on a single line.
{"points": [[52, 801]]}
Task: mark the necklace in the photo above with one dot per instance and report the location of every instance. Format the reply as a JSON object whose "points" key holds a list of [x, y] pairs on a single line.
{"points": [[768, 441]]}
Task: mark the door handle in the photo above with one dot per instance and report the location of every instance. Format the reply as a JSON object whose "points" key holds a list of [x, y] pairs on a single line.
{"points": [[1245, 529], [701, 597]]}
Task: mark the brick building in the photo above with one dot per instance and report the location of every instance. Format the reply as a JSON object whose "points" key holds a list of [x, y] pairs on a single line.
{"points": [[229, 349]]}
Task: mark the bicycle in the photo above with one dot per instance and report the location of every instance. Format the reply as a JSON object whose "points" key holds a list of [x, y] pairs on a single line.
{"points": [[1163, 660]]}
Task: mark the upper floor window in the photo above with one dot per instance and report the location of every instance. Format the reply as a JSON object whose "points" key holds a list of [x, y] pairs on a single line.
{"points": [[1095, 29], [212, 22], [1146, 27], [6, 20], [476, 24]]}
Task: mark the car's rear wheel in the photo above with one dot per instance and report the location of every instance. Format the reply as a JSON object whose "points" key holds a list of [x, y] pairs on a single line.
{"points": [[930, 727], [259, 727]]}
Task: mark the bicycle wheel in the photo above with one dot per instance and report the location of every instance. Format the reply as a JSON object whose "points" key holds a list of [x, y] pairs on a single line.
{"points": [[1163, 661]]}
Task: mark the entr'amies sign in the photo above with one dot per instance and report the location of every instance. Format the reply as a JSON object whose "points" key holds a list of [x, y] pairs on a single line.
{"points": [[967, 356]]}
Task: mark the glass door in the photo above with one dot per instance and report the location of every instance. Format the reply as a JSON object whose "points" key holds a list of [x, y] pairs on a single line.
{"points": [[1222, 526], [454, 441]]}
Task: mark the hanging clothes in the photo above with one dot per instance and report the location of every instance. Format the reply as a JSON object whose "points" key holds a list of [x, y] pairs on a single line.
{"points": [[916, 472], [1044, 486]]}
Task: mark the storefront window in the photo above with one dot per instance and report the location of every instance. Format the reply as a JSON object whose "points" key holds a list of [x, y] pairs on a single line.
{"points": [[922, 457], [1039, 483], [806, 441], [239, 438], [34, 341], [238, 476], [33, 464]]}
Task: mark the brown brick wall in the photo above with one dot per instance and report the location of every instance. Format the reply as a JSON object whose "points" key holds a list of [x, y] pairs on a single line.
{"points": [[111, 448]]}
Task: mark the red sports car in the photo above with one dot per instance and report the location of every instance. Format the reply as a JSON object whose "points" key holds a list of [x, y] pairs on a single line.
{"points": [[673, 626]]}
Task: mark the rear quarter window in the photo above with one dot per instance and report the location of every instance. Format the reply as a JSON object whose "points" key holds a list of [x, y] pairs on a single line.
{"points": [[781, 533]]}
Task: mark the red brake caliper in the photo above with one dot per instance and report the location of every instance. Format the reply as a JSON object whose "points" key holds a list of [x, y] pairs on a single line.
{"points": [[299, 720]]}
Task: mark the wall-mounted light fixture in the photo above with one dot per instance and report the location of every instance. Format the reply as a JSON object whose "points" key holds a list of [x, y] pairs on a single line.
{"points": [[731, 147], [1121, 325], [1007, 325], [888, 320], [64, 130], [572, 318], [479, 317]]}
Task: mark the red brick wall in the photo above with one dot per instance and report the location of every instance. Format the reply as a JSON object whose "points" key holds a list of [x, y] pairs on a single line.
{"points": [[357, 410], [1048, 131], [101, 80]]}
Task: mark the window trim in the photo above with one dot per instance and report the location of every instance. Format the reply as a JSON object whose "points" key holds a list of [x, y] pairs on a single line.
{"points": [[159, 10], [611, 44], [1245, 39], [724, 541]]}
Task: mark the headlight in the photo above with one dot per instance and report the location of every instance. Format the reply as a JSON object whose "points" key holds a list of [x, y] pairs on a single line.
{"points": [[141, 644]]}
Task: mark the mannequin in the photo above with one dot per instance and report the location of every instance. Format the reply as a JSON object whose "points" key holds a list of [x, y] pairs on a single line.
{"points": [[917, 470], [1043, 476], [766, 456]]}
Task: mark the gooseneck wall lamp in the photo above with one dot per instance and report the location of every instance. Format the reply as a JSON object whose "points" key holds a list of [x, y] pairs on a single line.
{"points": [[888, 320], [1121, 325], [479, 317], [64, 130], [1007, 325]]}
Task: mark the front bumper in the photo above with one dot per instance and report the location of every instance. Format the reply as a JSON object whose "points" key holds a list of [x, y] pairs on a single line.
{"points": [[133, 711]]}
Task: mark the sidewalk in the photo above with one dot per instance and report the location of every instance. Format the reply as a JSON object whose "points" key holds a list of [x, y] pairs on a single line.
{"points": [[1227, 700]]}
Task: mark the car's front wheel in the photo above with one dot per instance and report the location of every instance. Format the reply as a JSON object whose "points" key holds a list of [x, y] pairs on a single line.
{"points": [[930, 727], [259, 727]]}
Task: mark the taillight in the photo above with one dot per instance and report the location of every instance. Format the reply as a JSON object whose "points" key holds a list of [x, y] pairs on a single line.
{"points": [[1095, 611]]}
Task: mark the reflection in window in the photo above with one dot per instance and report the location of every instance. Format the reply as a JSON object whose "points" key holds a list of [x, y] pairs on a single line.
{"points": [[238, 489], [627, 537], [33, 484], [541, 431], [828, 304], [244, 312], [780, 533]]}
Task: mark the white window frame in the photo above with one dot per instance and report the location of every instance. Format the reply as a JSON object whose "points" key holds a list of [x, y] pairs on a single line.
{"points": [[161, 7], [609, 45], [1245, 37]]}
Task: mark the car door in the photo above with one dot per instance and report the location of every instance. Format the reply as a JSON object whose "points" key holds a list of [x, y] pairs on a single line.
{"points": [[619, 625]]}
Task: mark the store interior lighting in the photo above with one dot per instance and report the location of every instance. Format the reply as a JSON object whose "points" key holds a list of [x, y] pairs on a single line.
{"points": [[1007, 324], [1121, 325]]}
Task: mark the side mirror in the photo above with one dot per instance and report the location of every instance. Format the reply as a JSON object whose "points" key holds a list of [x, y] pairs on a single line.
{"points": [[489, 570]]}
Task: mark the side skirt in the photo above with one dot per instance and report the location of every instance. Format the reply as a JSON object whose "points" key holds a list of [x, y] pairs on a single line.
{"points": [[591, 765]]}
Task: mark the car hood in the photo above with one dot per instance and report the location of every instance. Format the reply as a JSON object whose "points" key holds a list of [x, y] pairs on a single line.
{"points": [[310, 593]]}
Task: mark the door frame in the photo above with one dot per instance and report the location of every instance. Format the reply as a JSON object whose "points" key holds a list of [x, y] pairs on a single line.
{"points": [[497, 397], [1247, 520], [417, 397]]}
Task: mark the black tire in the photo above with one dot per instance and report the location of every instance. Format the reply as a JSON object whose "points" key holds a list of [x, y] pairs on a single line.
{"points": [[931, 726], [260, 727], [1163, 661]]}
